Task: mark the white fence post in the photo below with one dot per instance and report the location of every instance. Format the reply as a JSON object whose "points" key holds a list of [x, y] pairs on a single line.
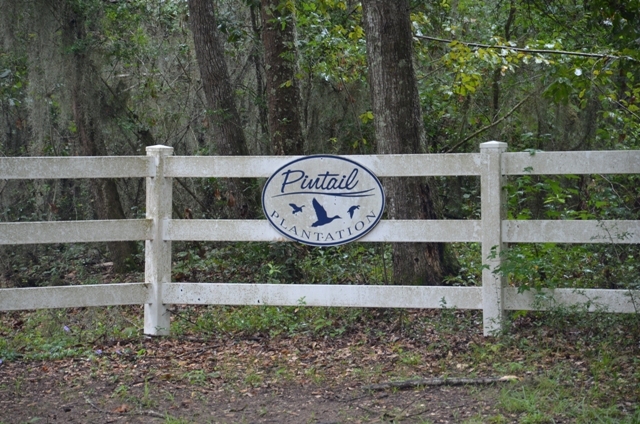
{"points": [[157, 251], [493, 212]]}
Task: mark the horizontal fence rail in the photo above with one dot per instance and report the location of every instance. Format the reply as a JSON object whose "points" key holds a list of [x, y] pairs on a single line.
{"points": [[619, 301], [323, 295], [74, 296], [436, 297], [564, 231], [386, 231], [552, 163], [158, 230], [76, 167], [75, 231], [451, 164]]}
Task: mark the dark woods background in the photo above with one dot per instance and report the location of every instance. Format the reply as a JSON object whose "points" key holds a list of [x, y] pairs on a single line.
{"points": [[94, 77]]}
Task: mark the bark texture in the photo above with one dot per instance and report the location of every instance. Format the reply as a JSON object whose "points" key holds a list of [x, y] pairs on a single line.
{"points": [[400, 130], [283, 92], [85, 108], [229, 135]]}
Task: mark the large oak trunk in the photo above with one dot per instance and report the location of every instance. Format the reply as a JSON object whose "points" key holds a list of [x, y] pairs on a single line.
{"points": [[399, 130], [216, 83]]}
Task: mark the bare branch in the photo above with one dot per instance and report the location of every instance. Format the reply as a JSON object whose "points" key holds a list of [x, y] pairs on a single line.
{"points": [[486, 127], [406, 384], [525, 50]]}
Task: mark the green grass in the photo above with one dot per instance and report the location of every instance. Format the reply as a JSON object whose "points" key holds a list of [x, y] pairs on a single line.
{"points": [[547, 400], [63, 333]]}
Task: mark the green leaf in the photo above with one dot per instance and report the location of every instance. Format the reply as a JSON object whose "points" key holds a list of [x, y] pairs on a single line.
{"points": [[366, 117]]}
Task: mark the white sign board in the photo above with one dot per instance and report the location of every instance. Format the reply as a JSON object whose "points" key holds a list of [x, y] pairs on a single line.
{"points": [[323, 200]]}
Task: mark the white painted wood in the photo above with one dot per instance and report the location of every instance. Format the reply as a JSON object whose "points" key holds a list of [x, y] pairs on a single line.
{"points": [[438, 231], [221, 230], [619, 301], [615, 301], [157, 251], [225, 166], [493, 208], [323, 295], [386, 231], [76, 167], [73, 296], [441, 164], [74, 231], [383, 166], [585, 162], [492, 164], [566, 231]]}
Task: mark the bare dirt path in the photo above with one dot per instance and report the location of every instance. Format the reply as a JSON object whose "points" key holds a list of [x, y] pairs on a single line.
{"points": [[250, 381], [45, 398]]}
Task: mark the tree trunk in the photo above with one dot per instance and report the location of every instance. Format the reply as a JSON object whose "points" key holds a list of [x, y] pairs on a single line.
{"points": [[399, 130], [84, 79], [258, 63], [283, 92], [216, 83]]}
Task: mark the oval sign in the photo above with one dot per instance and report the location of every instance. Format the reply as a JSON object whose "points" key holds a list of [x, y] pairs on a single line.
{"points": [[323, 200]]}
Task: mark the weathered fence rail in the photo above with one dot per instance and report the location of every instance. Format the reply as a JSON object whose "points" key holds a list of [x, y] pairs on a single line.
{"points": [[158, 230]]}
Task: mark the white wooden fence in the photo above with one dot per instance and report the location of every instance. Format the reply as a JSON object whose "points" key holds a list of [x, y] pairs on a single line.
{"points": [[158, 230]]}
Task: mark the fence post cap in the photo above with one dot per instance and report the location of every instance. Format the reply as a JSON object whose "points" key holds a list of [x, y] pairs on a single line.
{"points": [[160, 150], [494, 145]]}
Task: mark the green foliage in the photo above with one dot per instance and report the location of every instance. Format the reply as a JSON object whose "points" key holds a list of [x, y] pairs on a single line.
{"points": [[13, 80], [280, 263], [61, 333], [550, 265], [470, 270], [551, 397], [267, 320], [332, 40], [349, 264], [521, 54]]}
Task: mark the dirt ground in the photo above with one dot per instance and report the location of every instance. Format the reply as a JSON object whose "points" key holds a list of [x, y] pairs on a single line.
{"points": [[285, 404], [238, 381], [318, 377]]}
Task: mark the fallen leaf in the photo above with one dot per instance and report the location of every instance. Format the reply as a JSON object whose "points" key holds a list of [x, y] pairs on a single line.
{"points": [[122, 409]]}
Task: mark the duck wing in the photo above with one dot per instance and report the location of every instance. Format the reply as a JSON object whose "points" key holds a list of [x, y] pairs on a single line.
{"points": [[321, 213]]}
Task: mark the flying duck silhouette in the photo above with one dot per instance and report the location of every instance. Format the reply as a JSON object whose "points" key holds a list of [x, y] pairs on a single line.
{"points": [[296, 208], [352, 209], [321, 214]]}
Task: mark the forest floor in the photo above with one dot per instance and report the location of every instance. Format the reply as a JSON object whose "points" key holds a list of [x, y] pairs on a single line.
{"points": [[306, 378], [317, 365], [263, 381]]}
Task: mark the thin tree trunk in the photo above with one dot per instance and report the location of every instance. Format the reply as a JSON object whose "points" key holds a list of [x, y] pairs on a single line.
{"points": [[258, 62], [399, 130], [283, 92], [229, 135]]}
